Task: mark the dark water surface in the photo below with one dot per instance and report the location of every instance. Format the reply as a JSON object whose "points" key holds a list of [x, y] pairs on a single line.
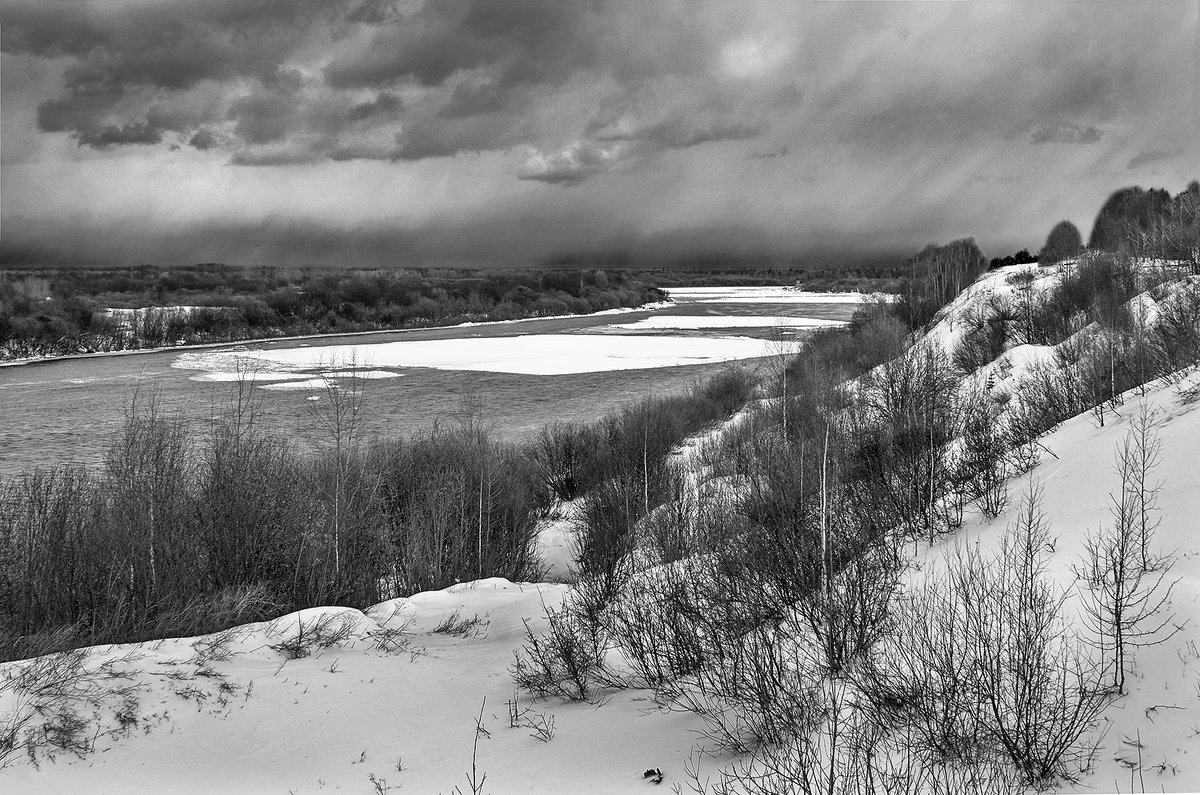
{"points": [[69, 410]]}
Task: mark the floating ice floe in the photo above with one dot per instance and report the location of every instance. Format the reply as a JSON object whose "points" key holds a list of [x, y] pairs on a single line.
{"points": [[680, 322], [760, 295]]}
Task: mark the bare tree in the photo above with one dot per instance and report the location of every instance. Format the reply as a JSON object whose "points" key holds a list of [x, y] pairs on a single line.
{"points": [[1126, 587], [338, 418]]}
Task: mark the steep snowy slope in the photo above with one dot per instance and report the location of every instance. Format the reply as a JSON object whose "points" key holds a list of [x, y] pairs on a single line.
{"points": [[1162, 708]]}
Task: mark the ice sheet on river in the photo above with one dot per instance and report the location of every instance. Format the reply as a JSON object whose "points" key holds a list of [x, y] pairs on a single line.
{"points": [[761, 295], [530, 354]]}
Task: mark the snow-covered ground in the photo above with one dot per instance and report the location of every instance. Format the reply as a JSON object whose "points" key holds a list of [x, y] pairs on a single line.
{"points": [[328, 722], [1162, 707]]}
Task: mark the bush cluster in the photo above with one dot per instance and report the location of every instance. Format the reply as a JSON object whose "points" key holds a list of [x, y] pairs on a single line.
{"points": [[177, 535], [184, 534]]}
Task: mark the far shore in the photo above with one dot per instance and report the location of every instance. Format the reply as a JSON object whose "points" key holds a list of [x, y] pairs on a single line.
{"points": [[333, 334], [466, 324]]}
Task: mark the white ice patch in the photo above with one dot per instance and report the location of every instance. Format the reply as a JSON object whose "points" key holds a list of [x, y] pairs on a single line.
{"points": [[370, 375], [762, 295], [532, 354], [230, 376], [326, 380], [311, 383], [658, 322]]}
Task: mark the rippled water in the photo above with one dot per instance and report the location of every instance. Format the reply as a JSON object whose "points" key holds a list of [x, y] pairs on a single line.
{"points": [[68, 410]]}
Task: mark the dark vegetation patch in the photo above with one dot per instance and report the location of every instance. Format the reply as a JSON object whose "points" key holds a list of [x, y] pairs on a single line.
{"points": [[46, 312], [184, 531]]}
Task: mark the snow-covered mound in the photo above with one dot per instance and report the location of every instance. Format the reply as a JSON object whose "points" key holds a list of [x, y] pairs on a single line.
{"points": [[390, 695]]}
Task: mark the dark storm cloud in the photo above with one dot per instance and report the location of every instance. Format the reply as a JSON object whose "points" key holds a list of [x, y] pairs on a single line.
{"points": [[1151, 156], [384, 104], [268, 157], [203, 140], [123, 57], [374, 12], [264, 117], [782, 151], [467, 59], [130, 134], [472, 100], [401, 53], [1064, 133], [524, 42], [659, 116]]}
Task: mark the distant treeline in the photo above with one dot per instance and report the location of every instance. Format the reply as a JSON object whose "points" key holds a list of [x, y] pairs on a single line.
{"points": [[1150, 223], [1135, 222], [63, 311]]}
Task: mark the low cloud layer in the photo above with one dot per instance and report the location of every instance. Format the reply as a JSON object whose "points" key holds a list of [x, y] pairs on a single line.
{"points": [[803, 128]]}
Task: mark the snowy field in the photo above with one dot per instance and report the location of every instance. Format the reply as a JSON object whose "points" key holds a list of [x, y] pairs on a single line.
{"points": [[329, 722]]}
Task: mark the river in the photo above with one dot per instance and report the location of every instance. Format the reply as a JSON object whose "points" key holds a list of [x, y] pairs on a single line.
{"points": [[521, 375]]}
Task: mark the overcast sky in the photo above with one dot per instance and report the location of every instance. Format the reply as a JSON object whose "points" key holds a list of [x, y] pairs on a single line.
{"points": [[508, 131]]}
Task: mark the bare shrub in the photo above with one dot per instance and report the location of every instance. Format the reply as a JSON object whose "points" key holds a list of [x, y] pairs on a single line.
{"points": [[566, 661], [1176, 333], [455, 623], [604, 537], [562, 456], [982, 341], [54, 703], [656, 626], [848, 615], [392, 639], [898, 435], [981, 666], [983, 464], [317, 634], [457, 505]]}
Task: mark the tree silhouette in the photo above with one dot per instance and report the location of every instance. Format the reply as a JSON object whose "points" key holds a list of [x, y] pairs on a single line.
{"points": [[1063, 242]]}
